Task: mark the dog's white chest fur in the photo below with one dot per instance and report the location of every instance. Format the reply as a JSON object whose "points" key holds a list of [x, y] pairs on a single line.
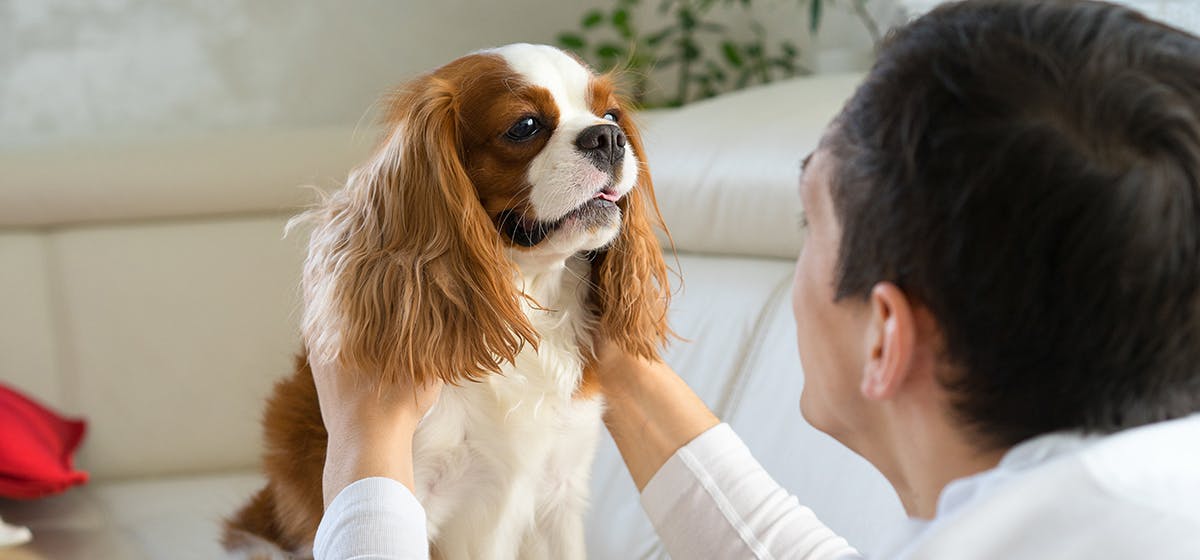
{"points": [[502, 465]]}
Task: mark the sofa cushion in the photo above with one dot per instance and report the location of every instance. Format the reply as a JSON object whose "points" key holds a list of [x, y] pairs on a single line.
{"points": [[177, 518], [29, 339], [726, 171], [173, 334]]}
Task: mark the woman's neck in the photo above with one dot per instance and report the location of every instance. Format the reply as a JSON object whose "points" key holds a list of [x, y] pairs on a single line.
{"points": [[923, 452]]}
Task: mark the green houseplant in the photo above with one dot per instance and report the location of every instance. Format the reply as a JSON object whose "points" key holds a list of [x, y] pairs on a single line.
{"points": [[701, 52]]}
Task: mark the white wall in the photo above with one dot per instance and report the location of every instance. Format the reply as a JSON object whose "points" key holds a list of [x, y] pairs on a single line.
{"points": [[109, 70], [75, 71], [71, 69]]}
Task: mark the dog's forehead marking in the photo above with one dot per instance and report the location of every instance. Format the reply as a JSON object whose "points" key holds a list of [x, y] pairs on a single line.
{"points": [[547, 67]]}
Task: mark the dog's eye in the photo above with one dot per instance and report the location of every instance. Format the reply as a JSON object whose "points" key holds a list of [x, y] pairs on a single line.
{"points": [[523, 130], [611, 116]]}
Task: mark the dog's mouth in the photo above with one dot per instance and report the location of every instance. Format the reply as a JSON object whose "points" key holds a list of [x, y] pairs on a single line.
{"points": [[607, 193], [528, 232]]}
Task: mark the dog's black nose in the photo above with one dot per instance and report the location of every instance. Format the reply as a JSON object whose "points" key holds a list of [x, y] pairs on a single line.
{"points": [[604, 144]]}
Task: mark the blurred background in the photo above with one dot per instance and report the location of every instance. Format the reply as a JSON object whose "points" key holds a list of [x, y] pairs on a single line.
{"points": [[72, 70], [151, 152]]}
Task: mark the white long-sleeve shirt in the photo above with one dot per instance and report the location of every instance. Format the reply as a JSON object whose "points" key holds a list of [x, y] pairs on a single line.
{"points": [[1135, 494]]}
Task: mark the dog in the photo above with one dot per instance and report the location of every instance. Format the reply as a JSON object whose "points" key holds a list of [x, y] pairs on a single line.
{"points": [[504, 221]]}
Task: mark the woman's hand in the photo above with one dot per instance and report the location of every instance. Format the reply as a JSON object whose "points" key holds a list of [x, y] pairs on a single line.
{"points": [[649, 410], [370, 426]]}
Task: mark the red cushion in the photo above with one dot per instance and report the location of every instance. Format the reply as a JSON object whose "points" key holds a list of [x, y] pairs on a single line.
{"points": [[36, 448]]}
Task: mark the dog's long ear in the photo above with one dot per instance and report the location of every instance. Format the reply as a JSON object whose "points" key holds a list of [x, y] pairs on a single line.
{"points": [[406, 275], [631, 278]]}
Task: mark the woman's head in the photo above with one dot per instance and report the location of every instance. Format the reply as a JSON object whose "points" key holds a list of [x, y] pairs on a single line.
{"points": [[1028, 173]]}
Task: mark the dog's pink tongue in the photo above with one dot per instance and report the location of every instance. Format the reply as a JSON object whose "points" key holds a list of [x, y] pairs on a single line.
{"points": [[609, 196]]}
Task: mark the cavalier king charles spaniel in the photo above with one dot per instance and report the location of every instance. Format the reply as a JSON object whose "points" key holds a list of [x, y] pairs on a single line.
{"points": [[505, 219]]}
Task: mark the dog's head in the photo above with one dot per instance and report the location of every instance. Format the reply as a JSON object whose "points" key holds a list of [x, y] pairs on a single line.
{"points": [[517, 154]]}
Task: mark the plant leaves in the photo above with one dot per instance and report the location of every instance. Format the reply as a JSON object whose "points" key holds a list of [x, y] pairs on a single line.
{"points": [[571, 41], [687, 21], [659, 37], [690, 50], [592, 19], [730, 51], [620, 16], [682, 39], [620, 20], [610, 50], [715, 72]]}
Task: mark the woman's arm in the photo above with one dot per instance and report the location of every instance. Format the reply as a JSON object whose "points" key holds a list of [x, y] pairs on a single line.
{"points": [[370, 509], [702, 489], [650, 411], [370, 427]]}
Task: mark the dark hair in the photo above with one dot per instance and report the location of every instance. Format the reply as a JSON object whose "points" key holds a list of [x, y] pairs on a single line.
{"points": [[1030, 173]]}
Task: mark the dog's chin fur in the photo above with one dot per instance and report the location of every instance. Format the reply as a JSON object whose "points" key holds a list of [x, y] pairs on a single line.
{"points": [[587, 228], [408, 279]]}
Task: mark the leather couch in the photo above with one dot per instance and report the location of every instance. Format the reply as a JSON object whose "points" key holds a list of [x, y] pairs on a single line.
{"points": [[146, 286]]}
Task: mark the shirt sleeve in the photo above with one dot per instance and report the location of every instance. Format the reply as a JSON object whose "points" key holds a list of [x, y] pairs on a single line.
{"points": [[373, 519], [711, 499]]}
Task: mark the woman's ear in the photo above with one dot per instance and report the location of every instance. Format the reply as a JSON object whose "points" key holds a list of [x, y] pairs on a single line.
{"points": [[890, 342], [632, 290], [406, 275]]}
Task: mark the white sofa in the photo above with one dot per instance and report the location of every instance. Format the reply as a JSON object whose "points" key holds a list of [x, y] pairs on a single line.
{"points": [[147, 288]]}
